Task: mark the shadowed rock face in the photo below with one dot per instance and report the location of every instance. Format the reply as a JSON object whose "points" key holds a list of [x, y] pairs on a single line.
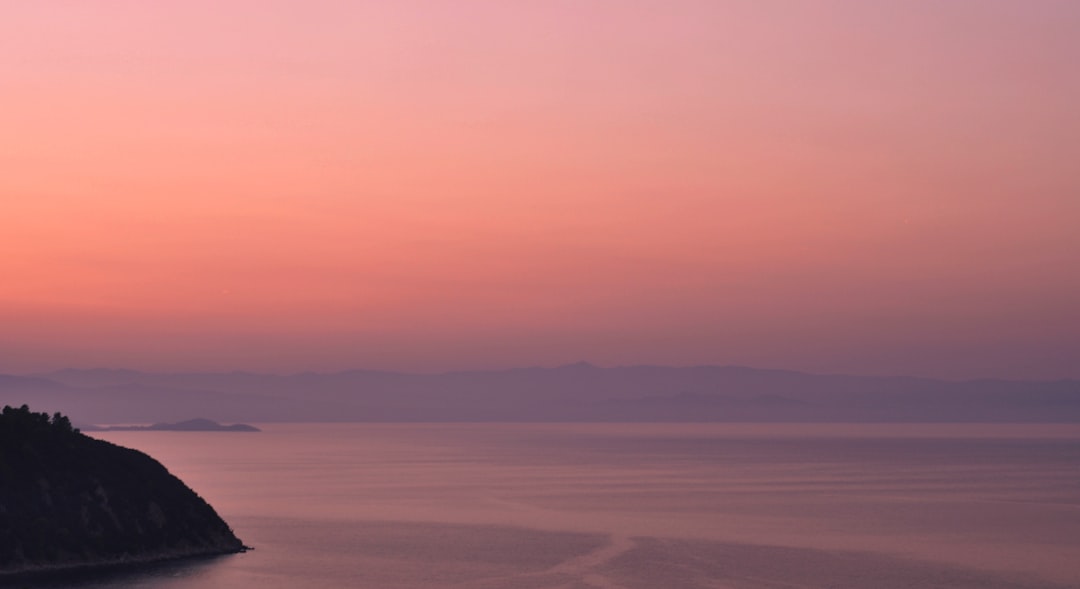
{"points": [[70, 501]]}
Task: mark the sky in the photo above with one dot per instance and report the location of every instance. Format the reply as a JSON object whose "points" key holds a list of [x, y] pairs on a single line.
{"points": [[832, 185]]}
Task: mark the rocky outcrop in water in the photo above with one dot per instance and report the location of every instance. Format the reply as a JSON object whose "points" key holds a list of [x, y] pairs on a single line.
{"points": [[69, 501]]}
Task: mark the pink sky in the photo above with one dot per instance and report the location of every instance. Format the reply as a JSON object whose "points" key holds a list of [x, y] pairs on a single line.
{"points": [[843, 186]]}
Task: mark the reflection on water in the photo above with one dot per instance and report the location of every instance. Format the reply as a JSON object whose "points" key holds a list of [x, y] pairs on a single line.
{"points": [[508, 505]]}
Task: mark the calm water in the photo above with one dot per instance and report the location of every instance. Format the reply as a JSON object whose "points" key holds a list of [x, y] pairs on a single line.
{"points": [[631, 506]]}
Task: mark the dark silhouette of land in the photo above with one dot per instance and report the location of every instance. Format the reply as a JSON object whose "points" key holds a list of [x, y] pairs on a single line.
{"points": [[190, 425], [577, 392], [70, 502]]}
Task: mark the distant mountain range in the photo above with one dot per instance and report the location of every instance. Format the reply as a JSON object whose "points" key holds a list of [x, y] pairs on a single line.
{"points": [[576, 392]]}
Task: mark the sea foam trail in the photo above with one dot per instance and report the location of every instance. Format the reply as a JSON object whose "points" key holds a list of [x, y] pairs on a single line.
{"points": [[585, 566]]}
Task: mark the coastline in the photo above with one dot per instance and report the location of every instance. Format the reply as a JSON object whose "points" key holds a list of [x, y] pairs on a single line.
{"points": [[60, 571]]}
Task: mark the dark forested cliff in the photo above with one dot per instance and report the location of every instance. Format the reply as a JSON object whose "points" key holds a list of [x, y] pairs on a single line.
{"points": [[68, 500]]}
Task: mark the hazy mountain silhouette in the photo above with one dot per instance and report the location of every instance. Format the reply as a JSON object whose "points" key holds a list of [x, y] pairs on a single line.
{"points": [[577, 392], [190, 425]]}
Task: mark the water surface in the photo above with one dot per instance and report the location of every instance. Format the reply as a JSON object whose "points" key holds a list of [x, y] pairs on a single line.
{"points": [[630, 505]]}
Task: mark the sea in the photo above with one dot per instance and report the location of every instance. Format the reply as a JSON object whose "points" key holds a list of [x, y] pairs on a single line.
{"points": [[630, 506]]}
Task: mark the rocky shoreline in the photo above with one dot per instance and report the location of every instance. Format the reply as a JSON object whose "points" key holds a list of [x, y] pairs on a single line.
{"points": [[47, 572]]}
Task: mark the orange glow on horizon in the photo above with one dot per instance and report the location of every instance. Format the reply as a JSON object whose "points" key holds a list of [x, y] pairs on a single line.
{"points": [[286, 186]]}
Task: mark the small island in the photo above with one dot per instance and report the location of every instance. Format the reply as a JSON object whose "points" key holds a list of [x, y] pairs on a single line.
{"points": [[71, 502], [191, 425]]}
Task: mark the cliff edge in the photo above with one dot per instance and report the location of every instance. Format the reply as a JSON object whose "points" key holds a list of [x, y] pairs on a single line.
{"points": [[69, 501]]}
